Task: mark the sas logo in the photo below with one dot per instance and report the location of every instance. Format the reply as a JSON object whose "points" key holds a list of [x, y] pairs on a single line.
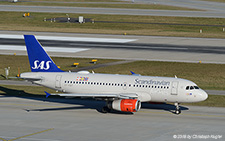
{"points": [[82, 78], [41, 65]]}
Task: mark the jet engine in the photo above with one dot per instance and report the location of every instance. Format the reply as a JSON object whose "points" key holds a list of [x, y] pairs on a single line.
{"points": [[125, 105]]}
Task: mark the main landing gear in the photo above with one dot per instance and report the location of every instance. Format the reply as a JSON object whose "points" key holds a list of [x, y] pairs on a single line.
{"points": [[106, 109], [177, 111]]}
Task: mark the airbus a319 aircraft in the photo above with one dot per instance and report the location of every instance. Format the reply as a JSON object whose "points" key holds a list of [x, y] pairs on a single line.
{"points": [[121, 92]]}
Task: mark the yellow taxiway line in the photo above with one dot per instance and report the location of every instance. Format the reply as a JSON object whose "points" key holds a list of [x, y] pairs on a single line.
{"points": [[28, 135]]}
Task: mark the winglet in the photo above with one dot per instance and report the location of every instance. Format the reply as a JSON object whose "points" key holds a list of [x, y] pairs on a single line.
{"points": [[47, 94], [132, 73]]}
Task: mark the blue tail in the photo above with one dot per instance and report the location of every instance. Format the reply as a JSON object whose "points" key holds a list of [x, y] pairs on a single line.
{"points": [[38, 58]]}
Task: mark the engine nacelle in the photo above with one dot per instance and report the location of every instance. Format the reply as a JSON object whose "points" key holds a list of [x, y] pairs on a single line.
{"points": [[125, 105]]}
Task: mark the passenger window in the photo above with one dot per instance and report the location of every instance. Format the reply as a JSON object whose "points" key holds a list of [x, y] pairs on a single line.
{"points": [[191, 88]]}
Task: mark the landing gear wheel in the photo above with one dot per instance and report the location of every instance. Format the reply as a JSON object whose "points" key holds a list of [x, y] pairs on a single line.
{"points": [[105, 109], [177, 111]]}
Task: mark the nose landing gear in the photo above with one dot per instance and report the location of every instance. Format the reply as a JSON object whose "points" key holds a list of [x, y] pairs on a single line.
{"points": [[177, 110]]}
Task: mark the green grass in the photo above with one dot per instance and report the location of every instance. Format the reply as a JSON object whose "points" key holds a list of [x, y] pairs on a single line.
{"points": [[207, 76], [15, 21], [104, 5]]}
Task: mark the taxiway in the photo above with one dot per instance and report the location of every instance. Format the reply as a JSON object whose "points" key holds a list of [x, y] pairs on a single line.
{"points": [[57, 119]]}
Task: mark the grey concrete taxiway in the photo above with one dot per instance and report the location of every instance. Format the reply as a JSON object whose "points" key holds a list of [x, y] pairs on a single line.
{"points": [[54, 119]]}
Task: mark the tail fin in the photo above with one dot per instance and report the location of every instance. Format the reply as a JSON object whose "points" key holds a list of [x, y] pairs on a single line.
{"points": [[38, 58]]}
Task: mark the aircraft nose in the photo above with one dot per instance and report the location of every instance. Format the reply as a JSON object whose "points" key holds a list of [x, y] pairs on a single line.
{"points": [[204, 95]]}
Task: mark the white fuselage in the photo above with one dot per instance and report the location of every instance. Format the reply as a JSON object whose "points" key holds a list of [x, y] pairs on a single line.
{"points": [[148, 88]]}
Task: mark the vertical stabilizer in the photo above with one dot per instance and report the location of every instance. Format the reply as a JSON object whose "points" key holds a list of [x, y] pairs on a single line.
{"points": [[38, 58]]}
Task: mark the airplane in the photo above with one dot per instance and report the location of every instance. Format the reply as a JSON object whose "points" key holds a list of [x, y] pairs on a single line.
{"points": [[121, 92]]}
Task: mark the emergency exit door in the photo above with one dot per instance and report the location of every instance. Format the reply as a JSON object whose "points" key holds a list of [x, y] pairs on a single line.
{"points": [[58, 81], [174, 90]]}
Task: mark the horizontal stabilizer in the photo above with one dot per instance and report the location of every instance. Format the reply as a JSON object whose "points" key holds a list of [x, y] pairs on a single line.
{"points": [[47, 94], [30, 79]]}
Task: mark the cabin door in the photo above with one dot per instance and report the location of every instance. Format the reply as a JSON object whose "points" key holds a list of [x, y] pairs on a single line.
{"points": [[58, 81], [174, 90]]}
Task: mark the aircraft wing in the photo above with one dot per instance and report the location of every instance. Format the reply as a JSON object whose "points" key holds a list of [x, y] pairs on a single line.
{"points": [[121, 96]]}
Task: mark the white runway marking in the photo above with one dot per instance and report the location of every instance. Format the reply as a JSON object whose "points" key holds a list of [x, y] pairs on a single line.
{"points": [[48, 49], [57, 38]]}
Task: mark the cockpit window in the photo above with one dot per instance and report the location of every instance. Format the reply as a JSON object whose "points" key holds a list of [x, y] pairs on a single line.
{"points": [[196, 87], [192, 87]]}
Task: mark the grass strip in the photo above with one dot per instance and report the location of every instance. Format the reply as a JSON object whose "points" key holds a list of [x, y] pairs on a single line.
{"points": [[15, 21]]}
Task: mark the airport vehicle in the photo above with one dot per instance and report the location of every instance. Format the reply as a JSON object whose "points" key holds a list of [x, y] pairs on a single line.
{"points": [[121, 92]]}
